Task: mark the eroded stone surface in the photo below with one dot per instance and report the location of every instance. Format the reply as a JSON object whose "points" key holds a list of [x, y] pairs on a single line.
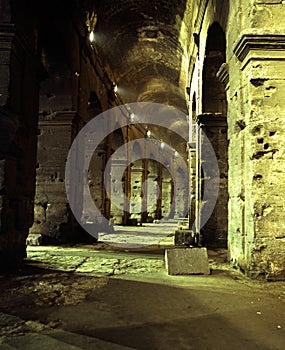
{"points": [[162, 53], [187, 261]]}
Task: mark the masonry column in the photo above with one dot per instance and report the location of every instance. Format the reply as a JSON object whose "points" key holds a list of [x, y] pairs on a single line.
{"points": [[117, 197], [257, 144], [52, 216], [152, 190], [136, 192], [19, 67], [214, 127]]}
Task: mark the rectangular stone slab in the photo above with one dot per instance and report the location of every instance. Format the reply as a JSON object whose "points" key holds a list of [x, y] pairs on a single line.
{"points": [[187, 261]]}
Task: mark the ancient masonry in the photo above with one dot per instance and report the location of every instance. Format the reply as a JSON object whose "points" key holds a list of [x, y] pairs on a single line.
{"points": [[222, 63]]}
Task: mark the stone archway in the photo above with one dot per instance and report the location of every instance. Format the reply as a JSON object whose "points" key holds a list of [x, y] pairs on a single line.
{"points": [[213, 121]]}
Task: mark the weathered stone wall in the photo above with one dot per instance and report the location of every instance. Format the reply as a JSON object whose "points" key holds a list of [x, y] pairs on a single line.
{"points": [[254, 53], [209, 110], [51, 215], [74, 90], [73, 78], [256, 129], [214, 127], [19, 68]]}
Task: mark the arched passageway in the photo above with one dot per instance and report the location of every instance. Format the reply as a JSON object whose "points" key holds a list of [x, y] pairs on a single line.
{"points": [[213, 123]]}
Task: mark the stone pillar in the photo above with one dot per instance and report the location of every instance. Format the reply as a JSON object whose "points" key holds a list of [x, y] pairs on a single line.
{"points": [[116, 191], [167, 188], [214, 126], [192, 184], [16, 204], [256, 157], [158, 211], [96, 182], [136, 191], [52, 216], [19, 67], [152, 190], [144, 215]]}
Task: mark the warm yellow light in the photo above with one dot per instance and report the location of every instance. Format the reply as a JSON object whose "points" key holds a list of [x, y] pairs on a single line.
{"points": [[115, 89], [91, 36]]}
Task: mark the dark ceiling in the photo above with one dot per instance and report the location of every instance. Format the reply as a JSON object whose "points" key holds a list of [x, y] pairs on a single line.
{"points": [[143, 43]]}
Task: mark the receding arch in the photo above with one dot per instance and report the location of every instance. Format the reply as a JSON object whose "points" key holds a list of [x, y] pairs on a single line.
{"points": [[213, 121], [213, 92]]}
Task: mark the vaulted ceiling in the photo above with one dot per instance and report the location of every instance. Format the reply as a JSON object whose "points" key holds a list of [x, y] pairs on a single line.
{"points": [[146, 44]]}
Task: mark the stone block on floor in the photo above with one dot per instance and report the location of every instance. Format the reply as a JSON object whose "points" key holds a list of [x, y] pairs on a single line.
{"points": [[187, 261]]}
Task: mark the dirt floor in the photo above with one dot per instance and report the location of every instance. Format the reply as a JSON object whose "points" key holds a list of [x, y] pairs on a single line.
{"points": [[104, 297]]}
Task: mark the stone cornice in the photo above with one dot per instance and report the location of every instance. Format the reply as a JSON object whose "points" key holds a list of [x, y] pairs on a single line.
{"points": [[58, 118], [223, 74], [200, 16], [211, 119], [260, 43]]}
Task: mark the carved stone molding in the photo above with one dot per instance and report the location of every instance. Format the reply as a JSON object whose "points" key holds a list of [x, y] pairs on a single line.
{"points": [[261, 44], [58, 118], [211, 119], [200, 16], [223, 74]]}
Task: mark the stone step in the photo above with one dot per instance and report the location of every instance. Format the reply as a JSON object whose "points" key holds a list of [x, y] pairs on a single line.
{"points": [[84, 342], [34, 341], [59, 340]]}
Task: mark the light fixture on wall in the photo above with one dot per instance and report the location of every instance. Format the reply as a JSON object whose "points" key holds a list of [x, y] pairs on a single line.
{"points": [[91, 20], [115, 88], [91, 36]]}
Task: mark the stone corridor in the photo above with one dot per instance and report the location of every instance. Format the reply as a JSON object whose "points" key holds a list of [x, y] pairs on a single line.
{"points": [[140, 138]]}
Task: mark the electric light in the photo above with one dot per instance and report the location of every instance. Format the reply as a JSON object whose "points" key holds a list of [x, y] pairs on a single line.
{"points": [[91, 36]]}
